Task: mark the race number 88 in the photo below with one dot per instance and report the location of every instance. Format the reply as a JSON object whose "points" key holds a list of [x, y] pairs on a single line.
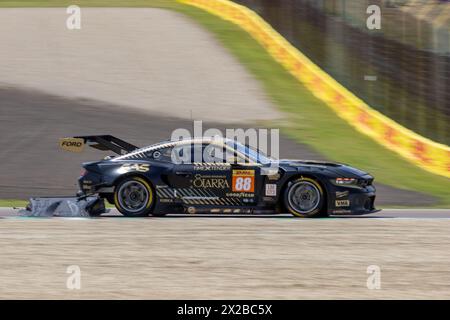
{"points": [[243, 184], [243, 181]]}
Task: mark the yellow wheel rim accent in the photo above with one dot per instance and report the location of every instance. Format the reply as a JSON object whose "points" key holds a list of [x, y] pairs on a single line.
{"points": [[313, 182], [149, 190]]}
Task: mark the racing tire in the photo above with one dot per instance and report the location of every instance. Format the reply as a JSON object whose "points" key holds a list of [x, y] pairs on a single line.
{"points": [[133, 197], [305, 198]]}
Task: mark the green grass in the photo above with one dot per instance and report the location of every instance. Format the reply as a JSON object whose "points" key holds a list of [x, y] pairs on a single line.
{"points": [[12, 203], [309, 120]]}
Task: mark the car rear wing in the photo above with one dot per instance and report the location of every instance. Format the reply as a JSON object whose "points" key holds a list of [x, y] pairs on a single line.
{"points": [[102, 142]]}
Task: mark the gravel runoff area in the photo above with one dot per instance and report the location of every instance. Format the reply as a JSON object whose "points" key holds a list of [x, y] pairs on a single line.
{"points": [[224, 258], [150, 59]]}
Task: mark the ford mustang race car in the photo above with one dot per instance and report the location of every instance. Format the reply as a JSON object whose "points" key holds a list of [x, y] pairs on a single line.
{"points": [[229, 177]]}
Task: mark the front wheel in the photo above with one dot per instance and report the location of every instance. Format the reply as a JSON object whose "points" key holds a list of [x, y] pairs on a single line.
{"points": [[304, 197], [133, 197]]}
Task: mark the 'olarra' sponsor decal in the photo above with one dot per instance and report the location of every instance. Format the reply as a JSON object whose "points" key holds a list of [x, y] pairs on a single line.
{"points": [[218, 182]]}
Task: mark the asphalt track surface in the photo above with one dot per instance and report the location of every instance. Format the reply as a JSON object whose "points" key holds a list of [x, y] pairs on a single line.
{"points": [[385, 213], [226, 258]]}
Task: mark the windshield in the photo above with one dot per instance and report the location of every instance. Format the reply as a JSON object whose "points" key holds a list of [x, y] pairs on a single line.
{"points": [[251, 153]]}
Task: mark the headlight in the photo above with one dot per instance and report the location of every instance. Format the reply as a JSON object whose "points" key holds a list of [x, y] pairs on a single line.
{"points": [[346, 181]]}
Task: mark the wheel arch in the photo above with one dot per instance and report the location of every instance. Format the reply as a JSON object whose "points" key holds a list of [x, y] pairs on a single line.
{"points": [[122, 177]]}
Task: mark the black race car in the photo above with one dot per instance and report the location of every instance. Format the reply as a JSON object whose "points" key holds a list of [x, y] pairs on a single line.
{"points": [[229, 177]]}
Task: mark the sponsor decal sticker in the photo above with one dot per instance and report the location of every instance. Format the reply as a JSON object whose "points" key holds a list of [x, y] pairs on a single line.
{"points": [[341, 194], [341, 211], [239, 195], [211, 166], [72, 144], [271, 189], [141, 167], [243, 181], [218, 182], [342, 203]]}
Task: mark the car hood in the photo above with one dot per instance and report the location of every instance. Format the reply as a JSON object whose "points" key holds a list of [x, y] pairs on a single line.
{"points": [[338, 169]]}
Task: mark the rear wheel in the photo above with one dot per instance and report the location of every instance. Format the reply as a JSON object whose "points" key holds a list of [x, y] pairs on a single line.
{"points": [[304, 197], [133, 197]]}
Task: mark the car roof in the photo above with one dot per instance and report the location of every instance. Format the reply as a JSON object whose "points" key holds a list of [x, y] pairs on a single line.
{"points": [[140, 153]]}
